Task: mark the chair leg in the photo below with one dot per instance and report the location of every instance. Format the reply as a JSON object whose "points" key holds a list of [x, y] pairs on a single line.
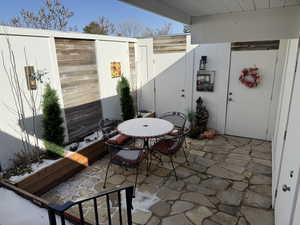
{"points": [[160, 160], [171, 159], [136, 178], [104, 185], [147, 164], [186, 159], [185, 143]]}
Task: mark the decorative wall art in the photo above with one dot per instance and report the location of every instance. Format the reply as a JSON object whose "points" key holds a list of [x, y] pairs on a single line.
{"points": [[115, 69], [31, 81], [205, 80]]}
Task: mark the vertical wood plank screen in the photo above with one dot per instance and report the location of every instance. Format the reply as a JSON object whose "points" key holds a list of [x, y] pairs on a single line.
{"points": [[133, 73], [79, 80]]}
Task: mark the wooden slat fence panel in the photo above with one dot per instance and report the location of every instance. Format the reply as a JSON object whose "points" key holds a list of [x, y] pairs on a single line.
{"points": [[255, 45], [169, 44], [80, 85]]}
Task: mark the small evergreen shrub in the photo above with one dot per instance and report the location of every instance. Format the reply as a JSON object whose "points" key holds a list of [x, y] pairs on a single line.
{"points": [[126, 100], [52, 120], [122, 83]]}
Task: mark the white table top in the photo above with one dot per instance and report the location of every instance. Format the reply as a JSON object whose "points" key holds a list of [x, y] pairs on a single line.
{"points": [[145, 127]]}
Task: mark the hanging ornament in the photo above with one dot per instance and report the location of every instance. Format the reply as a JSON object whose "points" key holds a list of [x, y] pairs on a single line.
{"points": [[250, 77]]}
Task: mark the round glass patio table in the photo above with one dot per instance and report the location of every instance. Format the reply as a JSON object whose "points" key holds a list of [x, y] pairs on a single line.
{"points": [[145, 128]]}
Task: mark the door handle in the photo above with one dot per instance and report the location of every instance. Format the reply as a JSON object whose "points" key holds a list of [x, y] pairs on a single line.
{"points": [[230, 99], [286, 188]]}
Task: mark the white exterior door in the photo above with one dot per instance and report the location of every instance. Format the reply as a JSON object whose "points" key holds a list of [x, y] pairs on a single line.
{"points": [[248, 109], [170, 74], [287, 203]]}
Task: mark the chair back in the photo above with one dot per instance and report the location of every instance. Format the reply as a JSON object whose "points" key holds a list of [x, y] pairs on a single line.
{"points": [[178, 119], [107, 126], [177, 142]]}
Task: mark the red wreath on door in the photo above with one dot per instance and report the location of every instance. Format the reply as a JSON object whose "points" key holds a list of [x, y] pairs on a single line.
{"points": [[250, 77]]}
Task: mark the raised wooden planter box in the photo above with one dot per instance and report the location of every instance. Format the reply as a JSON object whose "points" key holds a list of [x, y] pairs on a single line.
{"points": [[43, 180]]}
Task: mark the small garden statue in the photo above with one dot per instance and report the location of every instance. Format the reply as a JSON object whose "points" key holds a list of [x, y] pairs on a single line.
{"points": [[201, 115], [198, 120]]}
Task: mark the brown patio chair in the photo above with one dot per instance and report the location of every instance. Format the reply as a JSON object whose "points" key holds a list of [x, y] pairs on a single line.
{"points": [[170, 146], [126, 157]]}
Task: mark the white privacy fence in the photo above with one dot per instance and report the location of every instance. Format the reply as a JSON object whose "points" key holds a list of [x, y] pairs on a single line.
{"points": [[82, 78]]}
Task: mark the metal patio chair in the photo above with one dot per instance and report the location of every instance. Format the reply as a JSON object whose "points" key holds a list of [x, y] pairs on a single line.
{"points": [[108, 127], [126, 157], [178, 119], [170, 146]]}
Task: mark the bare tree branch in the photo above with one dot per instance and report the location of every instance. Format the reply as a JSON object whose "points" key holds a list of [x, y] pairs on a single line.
{"points": [[52, 16], [164, 30], [130, 28]]}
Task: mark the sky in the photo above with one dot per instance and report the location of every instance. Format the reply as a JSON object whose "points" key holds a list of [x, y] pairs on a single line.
{"points": [[88, 10]]}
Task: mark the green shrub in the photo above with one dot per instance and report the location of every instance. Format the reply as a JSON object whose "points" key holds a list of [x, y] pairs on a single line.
{"points": [[52, 120], [126, 100], [122, 83]]}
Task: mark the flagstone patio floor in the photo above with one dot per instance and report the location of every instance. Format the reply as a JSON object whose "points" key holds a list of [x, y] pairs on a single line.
{"points": [[227, 182]]}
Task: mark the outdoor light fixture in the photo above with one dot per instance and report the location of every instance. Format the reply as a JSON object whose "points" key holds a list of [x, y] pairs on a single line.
{"points": [[203, 63]]}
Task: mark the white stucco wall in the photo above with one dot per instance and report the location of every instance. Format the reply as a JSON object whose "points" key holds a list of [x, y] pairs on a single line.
{"points": [[161, 83], [34, 51], [218, 56], [108, 52], [268, 24]]}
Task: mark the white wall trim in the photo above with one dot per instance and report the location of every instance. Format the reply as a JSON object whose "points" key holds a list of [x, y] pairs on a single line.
{"points": [[16, 31]]}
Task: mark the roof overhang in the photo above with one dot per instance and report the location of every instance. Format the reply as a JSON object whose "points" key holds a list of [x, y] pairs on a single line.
{"points": [[230, 20], [161, 8], [185, 10]]}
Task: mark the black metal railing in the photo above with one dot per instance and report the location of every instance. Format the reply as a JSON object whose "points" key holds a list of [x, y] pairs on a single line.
{"points": [[57, 213]]}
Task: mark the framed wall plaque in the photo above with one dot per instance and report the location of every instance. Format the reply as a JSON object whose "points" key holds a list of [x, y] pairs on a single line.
{"points": [[115, 69], [205, 80], [31, 82]]}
